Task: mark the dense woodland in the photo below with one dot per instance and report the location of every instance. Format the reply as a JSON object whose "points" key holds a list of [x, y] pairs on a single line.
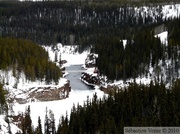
{"points": [[141, 52], [136, 105], [101, 26], [74, 22], [25, 56], [131, 60]]}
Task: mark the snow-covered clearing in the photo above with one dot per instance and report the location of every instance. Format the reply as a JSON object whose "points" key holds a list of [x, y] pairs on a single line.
{"points": [[163, 37]]}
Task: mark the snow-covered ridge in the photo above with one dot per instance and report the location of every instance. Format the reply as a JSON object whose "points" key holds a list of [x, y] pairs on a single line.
{"points": [[165, 10]]}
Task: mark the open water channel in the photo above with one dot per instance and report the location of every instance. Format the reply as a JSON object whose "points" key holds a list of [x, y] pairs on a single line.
{"points": [[74, 75]]}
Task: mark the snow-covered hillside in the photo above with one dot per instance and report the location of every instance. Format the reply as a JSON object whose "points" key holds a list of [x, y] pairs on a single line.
{"points": [[171, 10], [21, 88]]}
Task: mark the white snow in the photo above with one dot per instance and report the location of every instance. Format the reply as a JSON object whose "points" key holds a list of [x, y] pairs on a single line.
{"points": [[68, 53], [4, 126], [59, 107], [124, 43], [20, 88], [163, 37], [171, 11]]}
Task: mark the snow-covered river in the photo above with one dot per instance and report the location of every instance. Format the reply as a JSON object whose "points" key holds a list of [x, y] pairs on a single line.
{"points": [[79, 90], [79, 93]]}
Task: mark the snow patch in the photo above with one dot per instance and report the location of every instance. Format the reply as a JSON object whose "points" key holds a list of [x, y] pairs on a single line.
{"points": [[4, 129], [163, 37]]}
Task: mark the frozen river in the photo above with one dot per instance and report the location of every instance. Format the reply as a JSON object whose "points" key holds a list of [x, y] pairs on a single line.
{"points": [[73, 77], [78, 95]]}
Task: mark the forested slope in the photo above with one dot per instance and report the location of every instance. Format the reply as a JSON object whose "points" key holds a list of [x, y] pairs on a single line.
{"points": [[119, 62], [141, 52], [25, 56], [74, 22]]}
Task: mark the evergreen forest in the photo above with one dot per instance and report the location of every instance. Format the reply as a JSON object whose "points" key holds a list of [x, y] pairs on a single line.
{"points": [[25, 56], [75, 22], [141, 52]]}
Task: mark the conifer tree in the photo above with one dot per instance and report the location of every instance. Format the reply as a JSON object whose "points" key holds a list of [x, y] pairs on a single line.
{"points": [[27, 123], [46, 123], [2, 95], [52, 122], [39, 127]]}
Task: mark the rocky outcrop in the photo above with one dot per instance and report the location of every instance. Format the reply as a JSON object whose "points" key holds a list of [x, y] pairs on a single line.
{"points": [[90, 79], [90, 61], [49, 93], [109, 89]]}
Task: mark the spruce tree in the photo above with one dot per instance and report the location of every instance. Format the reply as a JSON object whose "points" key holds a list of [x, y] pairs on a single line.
{"points": [[39, 127], [27, 122]]}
